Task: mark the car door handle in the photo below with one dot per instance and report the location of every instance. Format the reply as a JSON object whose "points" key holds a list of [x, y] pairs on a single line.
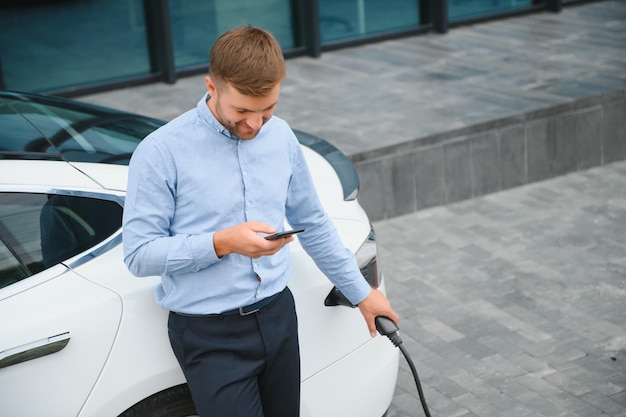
{"points": [[34, 350]]}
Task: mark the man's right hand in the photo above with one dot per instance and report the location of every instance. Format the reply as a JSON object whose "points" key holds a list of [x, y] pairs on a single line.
{"points": [[244, 239]]}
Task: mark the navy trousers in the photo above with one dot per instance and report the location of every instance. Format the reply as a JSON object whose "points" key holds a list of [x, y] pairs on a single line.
{"points": [[241, 366]]}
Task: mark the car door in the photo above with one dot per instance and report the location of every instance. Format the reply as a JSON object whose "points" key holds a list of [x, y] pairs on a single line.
{"points": [[57, 328]]}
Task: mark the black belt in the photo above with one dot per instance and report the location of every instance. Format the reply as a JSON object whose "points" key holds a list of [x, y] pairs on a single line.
{"points": [[242, 311]]}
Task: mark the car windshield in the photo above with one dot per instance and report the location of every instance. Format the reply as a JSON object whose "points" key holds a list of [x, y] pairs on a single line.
{"points": [[33, 130]]}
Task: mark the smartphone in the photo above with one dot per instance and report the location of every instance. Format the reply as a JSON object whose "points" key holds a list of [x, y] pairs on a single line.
{"points": [[283, 234]]}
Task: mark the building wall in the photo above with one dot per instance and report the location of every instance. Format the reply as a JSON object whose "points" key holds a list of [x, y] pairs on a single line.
{"points": [[75, 46]]}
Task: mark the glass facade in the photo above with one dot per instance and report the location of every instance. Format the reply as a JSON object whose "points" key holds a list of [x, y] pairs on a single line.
{"points": [[465, 9], [197, 24], [50, 45], [68, 46], [348, 19]]}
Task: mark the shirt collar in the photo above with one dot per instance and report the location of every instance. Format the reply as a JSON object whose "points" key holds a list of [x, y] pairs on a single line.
{"points": [[206, 115]]}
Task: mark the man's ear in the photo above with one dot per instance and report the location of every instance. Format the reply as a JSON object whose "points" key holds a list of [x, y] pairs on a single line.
{"points": [[210, 85]]}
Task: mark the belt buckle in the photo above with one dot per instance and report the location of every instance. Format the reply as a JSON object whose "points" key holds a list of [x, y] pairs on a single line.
{"points": [[247, 313]]}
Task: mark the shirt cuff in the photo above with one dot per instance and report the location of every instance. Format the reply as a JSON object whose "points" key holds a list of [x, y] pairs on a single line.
{"points": [[203, 251], [358, 291]]}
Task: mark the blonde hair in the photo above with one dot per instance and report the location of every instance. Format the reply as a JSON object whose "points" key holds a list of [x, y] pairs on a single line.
{"points": [[249, 59]]}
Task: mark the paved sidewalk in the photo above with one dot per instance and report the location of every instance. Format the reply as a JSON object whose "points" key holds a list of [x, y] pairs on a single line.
{"points": [[514, 304]]}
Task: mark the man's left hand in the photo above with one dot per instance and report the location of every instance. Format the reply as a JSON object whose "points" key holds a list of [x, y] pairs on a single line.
{"points": [[376, 304]]}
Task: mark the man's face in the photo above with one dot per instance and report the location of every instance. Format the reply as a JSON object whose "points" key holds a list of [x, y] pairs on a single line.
{"points": [[242, 115]]}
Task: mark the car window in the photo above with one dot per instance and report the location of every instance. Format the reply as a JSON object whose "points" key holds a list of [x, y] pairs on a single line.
{"points": [[17, 131], [38, 231], [11, 270], [85, 137], [56, 130]]}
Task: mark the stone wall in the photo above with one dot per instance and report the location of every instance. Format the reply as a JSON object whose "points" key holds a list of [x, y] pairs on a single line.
{"points": [[492, 156]]}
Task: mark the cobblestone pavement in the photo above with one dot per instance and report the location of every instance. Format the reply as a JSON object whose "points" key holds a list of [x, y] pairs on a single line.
{"points": [[514, 304]]}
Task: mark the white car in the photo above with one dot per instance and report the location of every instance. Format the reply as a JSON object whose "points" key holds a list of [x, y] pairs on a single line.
{"points": [[81, 336]]}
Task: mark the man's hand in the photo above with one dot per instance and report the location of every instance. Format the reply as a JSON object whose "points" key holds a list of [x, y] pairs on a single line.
{"points": [[376, 304], [244, 239]]}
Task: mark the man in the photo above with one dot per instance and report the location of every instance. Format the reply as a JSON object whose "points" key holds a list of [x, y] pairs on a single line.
{"points": [[203, 190]]}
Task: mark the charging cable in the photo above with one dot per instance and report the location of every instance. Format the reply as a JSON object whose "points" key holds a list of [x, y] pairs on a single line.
{"points": [[387, 327]]}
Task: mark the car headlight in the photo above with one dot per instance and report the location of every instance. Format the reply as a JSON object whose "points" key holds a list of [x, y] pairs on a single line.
{"points": [[367, 259]]}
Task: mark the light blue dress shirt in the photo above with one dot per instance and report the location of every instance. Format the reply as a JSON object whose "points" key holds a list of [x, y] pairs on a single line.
{"points": [[191, 178]]}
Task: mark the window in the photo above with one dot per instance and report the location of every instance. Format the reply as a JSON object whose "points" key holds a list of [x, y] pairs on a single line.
{"points": [[344, 19], [38, 231], [465, 9], [197, 24], [47, 45], [49, 130]]}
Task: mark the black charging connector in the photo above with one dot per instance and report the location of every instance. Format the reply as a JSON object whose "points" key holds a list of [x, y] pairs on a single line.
{"points": [[386, 327]]}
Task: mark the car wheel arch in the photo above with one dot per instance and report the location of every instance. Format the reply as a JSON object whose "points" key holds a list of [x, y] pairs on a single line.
{"points": [[171, 402]]}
